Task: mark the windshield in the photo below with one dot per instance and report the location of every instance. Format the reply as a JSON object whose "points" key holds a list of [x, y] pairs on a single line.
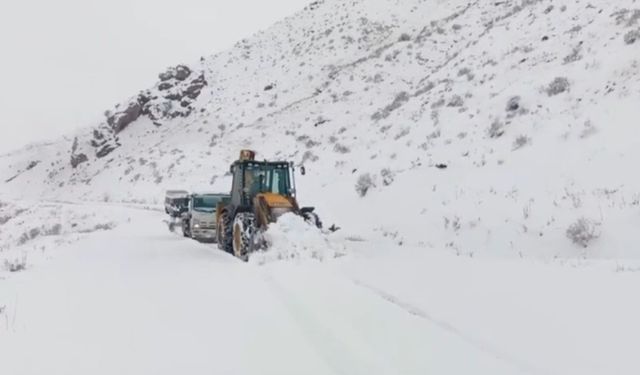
{"points": [[267, 179], [205, 203]]}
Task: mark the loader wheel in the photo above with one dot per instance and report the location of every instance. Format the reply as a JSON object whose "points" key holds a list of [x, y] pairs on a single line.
{"points": [[219, 237], [313, 219], [225, 233], [244, 229]]}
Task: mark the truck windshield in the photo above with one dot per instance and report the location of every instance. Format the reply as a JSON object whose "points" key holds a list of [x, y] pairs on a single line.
{"points": [[205, 203]]}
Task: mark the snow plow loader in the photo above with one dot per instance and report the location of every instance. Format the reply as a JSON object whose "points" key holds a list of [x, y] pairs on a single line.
{"points": [[261, 192]]}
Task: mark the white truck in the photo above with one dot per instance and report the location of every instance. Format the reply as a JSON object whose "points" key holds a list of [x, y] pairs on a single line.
{"points": [[199, 219], [175, 204]]}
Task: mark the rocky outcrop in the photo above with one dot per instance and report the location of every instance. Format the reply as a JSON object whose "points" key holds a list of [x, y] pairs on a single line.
{"points": [[180, 73], [120, 120], [172, 97], [77, 158]]}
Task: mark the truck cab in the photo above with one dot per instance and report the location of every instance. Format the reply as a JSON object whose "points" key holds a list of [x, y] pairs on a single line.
{"points": [[175, 202], [199, 220]]}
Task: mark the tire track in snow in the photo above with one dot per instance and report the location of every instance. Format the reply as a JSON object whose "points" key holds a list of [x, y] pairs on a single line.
{"points": [[331, 349], [477, 343]]}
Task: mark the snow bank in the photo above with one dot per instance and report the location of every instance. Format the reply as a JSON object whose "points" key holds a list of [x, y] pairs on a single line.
{"points": [[29, 230], [292, 238]]}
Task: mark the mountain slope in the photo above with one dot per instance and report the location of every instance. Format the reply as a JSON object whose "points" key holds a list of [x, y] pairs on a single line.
{"points": [[486, 128]]}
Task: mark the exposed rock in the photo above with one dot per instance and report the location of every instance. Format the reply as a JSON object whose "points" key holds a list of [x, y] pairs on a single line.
{"points": [[120, 120], [182, 72], [32, 165], [105, 150], [632, 36], [167, 75], [513, 104], [171, 98], [195, 88], [78, 159], [144, 98], [399, 100]]}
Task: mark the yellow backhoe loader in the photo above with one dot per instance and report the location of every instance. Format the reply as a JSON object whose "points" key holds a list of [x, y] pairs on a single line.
{"points": [[261, 192]]}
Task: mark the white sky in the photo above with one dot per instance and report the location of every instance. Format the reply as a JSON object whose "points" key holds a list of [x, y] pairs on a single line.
{"points": [[64, 62]]}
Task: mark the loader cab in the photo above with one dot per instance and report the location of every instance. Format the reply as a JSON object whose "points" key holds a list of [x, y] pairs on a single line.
{"points": [[251, 178]]}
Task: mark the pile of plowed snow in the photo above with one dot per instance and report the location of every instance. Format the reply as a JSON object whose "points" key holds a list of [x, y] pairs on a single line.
{"points": [[293, 239]]}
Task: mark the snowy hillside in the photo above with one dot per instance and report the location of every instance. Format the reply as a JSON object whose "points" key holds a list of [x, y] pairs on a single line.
{"points": [[521, 101], [478, 156]]}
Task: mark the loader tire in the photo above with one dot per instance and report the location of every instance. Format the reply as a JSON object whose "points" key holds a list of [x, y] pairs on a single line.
{"points": [[225, 233], [244, 230], [219, 235]]}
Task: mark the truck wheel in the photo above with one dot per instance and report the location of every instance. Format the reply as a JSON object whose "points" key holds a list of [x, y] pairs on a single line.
{"points": [[244, 229], [225, 233], [185, 229]]}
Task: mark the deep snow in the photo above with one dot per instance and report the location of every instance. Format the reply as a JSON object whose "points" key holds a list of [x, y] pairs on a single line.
{"points": [[138, 299], [478, 156]]}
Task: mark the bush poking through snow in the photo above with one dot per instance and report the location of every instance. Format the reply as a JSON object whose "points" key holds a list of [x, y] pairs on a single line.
{"points": [[583, 232], [455, 101], [16, 265], [520, 142], [632, 36], [557, 86], [574, 55], [387, 177], [513, 104], [404, 37], [364, 183], [496, 130], [341, 149], [588, 130]]}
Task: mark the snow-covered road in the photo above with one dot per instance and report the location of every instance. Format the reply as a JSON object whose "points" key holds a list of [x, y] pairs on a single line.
{"points": [[140, 300]]}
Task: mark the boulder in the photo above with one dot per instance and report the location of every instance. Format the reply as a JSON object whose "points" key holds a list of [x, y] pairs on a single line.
{"points": [[182, 72], [78, 159], [120, 120], [105, 150]]}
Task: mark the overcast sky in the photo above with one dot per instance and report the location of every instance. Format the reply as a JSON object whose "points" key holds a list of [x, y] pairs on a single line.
{"points": [[64, 62]]}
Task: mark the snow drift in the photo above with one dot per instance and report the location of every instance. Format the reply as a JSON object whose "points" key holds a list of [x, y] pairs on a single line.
{"points": [[293, 239]]}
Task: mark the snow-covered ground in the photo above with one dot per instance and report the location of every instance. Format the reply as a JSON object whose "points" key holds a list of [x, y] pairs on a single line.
{"points": [[478, 156], [138, 299]]}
